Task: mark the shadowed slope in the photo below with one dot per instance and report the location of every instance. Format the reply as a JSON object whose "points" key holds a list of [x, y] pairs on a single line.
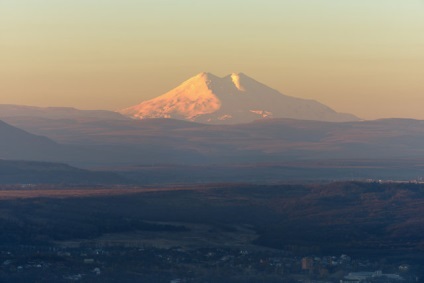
{"points": [[16, 143]]}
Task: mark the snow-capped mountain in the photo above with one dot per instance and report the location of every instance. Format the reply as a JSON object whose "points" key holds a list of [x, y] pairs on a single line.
{"points": [[235, 98]]}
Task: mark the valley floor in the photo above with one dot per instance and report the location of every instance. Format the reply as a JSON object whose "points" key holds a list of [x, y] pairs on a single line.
{"points": [[211, 233]]}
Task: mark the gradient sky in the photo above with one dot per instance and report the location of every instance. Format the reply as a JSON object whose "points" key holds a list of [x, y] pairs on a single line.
{"points": [[365, 57]]}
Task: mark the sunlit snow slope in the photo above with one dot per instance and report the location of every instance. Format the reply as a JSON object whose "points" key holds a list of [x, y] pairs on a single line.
{"points": [[235, 98]]}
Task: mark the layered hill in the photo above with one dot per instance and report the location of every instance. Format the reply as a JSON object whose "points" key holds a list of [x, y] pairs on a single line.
{"points": [[159, 141], [27, 150], [235, 98], [31, 172], [264, 150], [19, 144]]}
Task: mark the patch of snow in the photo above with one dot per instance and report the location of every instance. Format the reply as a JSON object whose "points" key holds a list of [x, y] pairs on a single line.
{"points": [[225, 117], [236, 80], [262, 113]]}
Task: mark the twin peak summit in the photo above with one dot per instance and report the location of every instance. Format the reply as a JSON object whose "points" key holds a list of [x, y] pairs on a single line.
{"points": [[235, 98]]}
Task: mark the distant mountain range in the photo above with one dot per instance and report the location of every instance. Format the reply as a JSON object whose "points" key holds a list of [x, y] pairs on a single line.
{"points": [[265, 150], [168, 141], [233, 99]]}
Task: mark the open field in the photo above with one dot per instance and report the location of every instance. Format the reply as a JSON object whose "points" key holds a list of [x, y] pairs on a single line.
{"points": [[39, 192], [195, 236], [350, 217]]}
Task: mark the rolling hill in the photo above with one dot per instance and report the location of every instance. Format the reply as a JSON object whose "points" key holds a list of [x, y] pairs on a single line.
{"points": [[273, 140], [31, 172]]}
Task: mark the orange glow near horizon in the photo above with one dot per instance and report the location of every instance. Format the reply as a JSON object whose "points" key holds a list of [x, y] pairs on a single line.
{"points": [[354, 56]]}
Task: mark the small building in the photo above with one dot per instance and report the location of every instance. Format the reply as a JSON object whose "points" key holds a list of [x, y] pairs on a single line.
{"points": [[307, 263], [404, 267]]}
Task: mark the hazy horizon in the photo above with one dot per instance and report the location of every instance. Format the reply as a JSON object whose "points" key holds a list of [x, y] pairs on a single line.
{"points": [[356, 56]]}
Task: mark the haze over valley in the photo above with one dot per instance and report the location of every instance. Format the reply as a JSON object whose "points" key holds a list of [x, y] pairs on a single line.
{"points": [[180, 146]]}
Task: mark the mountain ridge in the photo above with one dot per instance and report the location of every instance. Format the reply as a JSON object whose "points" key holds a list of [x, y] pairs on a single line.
{"points": [[13, 110], [37, 172]]}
